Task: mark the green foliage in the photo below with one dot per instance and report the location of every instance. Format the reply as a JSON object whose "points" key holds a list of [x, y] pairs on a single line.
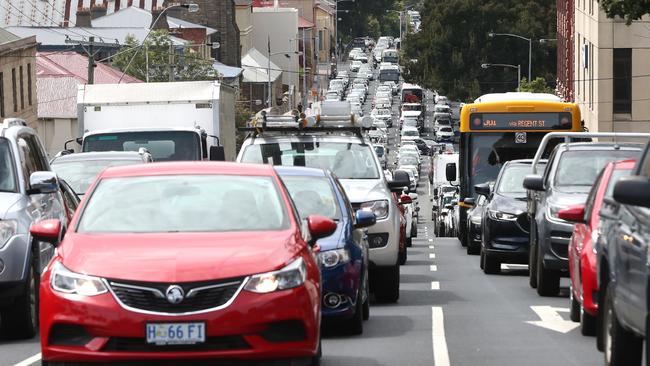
{"points": [[369, 18], [539, 85], [158, 47], [453, 43], [628, 9]]}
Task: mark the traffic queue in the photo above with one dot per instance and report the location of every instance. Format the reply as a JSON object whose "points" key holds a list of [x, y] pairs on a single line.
{"points": [[143, 256]]}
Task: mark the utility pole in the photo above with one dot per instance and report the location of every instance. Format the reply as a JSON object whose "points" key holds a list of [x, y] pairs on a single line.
{"points": [[89, 48], [170, 65]]}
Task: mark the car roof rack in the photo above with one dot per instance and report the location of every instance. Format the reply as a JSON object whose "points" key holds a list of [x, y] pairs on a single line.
{"points": [[294, 124], [567, 136], [11, 122]]}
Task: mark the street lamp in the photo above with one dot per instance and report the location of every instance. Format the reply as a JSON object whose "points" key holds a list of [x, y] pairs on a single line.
{"points": [[192, 8], [286, 54], [518, 67], [336, 25], [530, 48], [546, 40]]}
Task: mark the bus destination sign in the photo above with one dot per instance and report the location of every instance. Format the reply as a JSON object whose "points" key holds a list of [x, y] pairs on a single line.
{"points": [[520, 121]]}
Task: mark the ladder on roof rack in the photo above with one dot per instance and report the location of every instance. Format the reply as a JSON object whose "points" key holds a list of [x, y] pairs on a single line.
{"points": [[11, 122], [567, 136]]}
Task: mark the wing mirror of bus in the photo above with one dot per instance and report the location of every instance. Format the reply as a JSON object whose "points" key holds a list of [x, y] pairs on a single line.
{"points": [[534, 182], [450, 172], [217, 153]]}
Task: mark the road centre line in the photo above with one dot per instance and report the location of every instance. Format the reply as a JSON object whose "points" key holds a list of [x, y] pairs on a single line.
{"points": [[439, 340], [29, 361], [431, 247], [433, 268], [432, 255], [435, 285]]}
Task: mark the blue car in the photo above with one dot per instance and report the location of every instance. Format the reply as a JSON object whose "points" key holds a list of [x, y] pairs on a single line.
{"points": [[343, 256]]}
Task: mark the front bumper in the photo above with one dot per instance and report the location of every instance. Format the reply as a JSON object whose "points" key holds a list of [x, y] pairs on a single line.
{"points": [[342, 282], [506, 240], [283, 324], [555, 244], [383, 239], [14, 255]]}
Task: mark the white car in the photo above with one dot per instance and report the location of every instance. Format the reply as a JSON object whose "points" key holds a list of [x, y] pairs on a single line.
{"points": [[332, 95], [410, 133], [382, 115], [355, 65], [445, 134], [384, 88], [383, 103]]}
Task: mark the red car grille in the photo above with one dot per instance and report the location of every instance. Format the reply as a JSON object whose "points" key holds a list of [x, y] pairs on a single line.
{"points": [[197, 297]]}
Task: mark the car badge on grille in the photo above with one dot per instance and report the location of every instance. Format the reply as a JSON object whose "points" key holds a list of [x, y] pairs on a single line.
{"points": [[175, 294]]}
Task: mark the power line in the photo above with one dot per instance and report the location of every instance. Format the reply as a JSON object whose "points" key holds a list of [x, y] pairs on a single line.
{"points": [[64, 19], [45, 15], [28, 18]]}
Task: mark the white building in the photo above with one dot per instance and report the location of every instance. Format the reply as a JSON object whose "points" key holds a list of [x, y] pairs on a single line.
{"points": [[612, 70]]}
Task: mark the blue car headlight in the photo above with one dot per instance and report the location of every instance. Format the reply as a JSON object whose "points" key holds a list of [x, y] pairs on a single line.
{"points": [[332, 258]]}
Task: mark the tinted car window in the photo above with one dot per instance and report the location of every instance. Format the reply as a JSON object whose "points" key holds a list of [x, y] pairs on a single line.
{"points": [[346, 160], [313, 196], [184, 203], [581, 167], [7, 171]]}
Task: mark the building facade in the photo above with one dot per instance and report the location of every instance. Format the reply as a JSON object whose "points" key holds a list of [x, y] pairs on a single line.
{"points": [[18, 78], [611, 70], [565, 48]]}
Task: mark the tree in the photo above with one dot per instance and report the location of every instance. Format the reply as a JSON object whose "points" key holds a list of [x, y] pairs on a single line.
{"points": [[154, 57], [453, 43], [628, 9], [539, 85]]}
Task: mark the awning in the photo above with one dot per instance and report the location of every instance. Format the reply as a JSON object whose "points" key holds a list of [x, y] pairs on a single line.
{"points": [[227, 71], [304, 23], [255, 65]]}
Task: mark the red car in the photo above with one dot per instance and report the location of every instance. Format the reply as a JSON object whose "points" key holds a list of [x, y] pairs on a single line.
{"points": [[582, 258], [183, 261]]}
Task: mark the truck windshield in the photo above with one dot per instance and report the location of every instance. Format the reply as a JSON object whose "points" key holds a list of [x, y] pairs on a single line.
{"points": [[7, 175], [346, 160], [163, 145]]}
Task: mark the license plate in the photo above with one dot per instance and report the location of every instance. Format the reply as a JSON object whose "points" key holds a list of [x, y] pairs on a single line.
{"points": [[175, 333]]}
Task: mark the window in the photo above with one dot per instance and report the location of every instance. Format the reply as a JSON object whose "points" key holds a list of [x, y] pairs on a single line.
{"points": [[13, 89], [622, 80], [591, 77], [22, 89], [2, 94], [321, 35], [29, 83], [579, 63]]}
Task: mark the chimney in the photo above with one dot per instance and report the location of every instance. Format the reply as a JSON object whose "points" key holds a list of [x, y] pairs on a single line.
{"points": [[97, 11], [83, 17], [162, 22]]}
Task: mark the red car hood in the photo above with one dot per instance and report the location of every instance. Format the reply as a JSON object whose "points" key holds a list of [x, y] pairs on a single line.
{"points": [[178, 257]]}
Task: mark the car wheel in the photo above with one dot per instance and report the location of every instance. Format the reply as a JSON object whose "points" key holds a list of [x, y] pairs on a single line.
{"points": [[387, 284], [548, 281], [532, 260], [403, 256], [473, 250], [463, 240], [482, 261], [491, 265], [409, 241], [354, 326], [20, 321], [600, 318], [621, 347], [574, 309], [587, 323]]}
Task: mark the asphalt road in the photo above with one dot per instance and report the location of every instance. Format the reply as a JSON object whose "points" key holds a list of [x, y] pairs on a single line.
{"points": [[449, 313]]}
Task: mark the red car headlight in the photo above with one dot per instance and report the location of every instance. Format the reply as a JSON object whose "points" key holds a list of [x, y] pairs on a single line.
{"points": [[68, 282], [293, 275]]}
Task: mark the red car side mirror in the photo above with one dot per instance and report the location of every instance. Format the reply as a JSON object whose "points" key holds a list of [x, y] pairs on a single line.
{"points": [[572, 214], [320, 227], [48, 231], [405, 199]]}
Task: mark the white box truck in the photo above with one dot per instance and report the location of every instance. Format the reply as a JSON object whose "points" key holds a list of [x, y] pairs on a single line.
{"points": [[192, 120]]}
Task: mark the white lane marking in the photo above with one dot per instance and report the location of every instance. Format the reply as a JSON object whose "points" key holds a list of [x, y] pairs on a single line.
{"points": [[435, 285], [29, 361], [433, 268], [432, 255], [440, 352], [514, 266], [431, 247], [430, 239], [550, 319]]}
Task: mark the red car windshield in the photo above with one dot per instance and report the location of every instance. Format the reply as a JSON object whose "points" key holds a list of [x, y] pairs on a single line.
{"points": [[184, 203]]}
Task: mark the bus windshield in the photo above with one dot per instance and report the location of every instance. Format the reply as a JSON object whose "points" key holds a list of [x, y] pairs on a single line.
{"points": [[389, 75], [488, 152]]}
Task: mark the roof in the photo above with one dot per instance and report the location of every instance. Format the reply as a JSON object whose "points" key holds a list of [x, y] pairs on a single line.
{"points": [[189, 168], [227, 71], [6, 36], [592, 146], [499, 97], [304, 23], [300, 171], [56, 36], [99, 155], [255, 66], [58, 78]]}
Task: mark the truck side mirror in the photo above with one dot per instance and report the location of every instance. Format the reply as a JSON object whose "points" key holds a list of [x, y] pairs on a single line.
{"points": [[217, 153], [450, 172]]}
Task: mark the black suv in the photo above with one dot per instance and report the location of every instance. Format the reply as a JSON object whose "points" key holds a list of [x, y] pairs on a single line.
{"points": [[571, 171], [624, 271]]}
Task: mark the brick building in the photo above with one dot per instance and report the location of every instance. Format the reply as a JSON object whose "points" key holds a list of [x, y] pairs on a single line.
{"points": [[565, 49], [18, 77]]}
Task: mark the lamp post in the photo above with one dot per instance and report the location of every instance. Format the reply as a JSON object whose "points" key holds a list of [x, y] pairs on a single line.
{"points": [[530, 48], [336, 25], [268, 70], [192, 8], [518, 67]]}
